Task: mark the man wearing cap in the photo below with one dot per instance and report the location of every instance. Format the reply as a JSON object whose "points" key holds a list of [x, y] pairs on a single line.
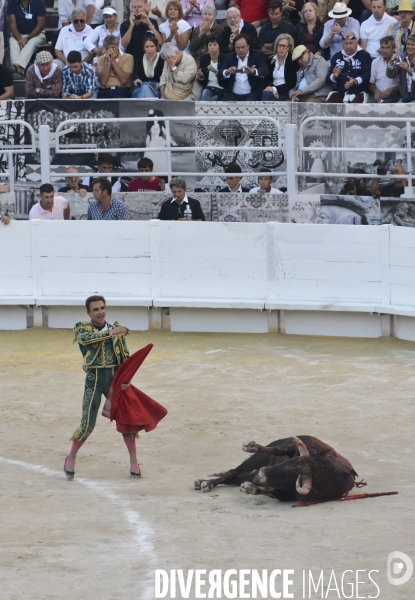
{"points": [[350, 70], [94, 43], [72, 38], [43, 78], [375, 28], [404, 27], [311, 83], [340, 22]]}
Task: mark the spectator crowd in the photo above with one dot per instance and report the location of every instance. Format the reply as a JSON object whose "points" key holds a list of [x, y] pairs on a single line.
{"points": [[291, 50]]}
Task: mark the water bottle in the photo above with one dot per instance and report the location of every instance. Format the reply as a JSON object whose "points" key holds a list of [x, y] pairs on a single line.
{"points": [[188, 213]]}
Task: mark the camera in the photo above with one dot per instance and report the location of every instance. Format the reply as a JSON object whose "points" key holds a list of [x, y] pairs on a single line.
{"points": [[137, 17], [382, 167]]}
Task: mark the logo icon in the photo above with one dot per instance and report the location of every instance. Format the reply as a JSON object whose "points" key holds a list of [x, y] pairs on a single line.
{"points": [[395, 568]]}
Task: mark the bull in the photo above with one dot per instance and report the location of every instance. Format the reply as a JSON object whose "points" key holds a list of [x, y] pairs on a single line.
{"points": [[296, 468]]}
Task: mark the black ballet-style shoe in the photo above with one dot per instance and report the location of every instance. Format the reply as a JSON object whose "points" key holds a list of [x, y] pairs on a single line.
{"points": [[69, 474]]}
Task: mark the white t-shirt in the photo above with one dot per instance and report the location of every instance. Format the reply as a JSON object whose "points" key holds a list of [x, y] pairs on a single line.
{"points": [[98, 18], [372, 31], [56, 214], [182, 26], [69, 39], [255, 190]]}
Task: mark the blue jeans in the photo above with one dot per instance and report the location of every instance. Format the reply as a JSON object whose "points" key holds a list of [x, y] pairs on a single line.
{"points": [[269, 97], [146, 90], [209, 95]]}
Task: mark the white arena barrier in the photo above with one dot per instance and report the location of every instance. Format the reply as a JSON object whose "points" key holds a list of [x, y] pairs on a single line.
{"points": [[223, 277]]}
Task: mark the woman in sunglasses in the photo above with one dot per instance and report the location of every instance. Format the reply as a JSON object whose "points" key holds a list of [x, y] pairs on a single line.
{"points": [[405, 71], [283, 77], [147, 71]]}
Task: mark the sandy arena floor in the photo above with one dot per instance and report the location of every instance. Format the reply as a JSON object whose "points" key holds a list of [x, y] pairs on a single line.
{"points": [[102, 536]]}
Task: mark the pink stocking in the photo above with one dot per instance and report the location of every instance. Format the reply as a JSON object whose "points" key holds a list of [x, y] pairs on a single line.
{"points": [[130, 443], [70, 461]]}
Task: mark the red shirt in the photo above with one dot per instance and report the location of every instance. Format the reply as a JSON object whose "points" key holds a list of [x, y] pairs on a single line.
{"points": [[253, 10], [138, 185]]}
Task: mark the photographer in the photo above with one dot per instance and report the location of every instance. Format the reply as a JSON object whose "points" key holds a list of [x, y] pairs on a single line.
{"points": [[405, 71], [136, 29], [392, 189]]}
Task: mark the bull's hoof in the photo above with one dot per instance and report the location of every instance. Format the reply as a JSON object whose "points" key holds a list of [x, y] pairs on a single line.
{"points": [[248, 488], [198, 484], [250, 447], [206, 486]]}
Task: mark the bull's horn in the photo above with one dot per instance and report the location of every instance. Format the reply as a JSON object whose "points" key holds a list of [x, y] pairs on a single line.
{"points": [[302, 448], [303, 485]]}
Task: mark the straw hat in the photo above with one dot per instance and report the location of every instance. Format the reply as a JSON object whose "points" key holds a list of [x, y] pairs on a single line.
{"points": [[298, 52], [340, 10], [406, 5]]}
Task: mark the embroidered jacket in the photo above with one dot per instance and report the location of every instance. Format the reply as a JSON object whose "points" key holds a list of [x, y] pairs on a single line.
{"points": [[356, 66], [100, 349]]}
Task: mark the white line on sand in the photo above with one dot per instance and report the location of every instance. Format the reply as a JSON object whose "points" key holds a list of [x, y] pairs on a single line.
{"points": [[143, 532]]}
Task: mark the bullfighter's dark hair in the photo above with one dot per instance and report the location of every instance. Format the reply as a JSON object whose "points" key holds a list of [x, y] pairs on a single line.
{"points": [[96, 298]]}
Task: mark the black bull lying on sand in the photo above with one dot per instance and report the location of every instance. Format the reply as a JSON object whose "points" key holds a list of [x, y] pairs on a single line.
{"points": [[295, 468]]}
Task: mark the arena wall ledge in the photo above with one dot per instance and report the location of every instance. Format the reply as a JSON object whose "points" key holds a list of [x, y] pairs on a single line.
{"points": [[212, 277]]}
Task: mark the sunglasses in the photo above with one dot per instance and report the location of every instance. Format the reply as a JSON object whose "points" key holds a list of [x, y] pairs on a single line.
{"points": [[76, 21], [149, 35], [349, 37]]}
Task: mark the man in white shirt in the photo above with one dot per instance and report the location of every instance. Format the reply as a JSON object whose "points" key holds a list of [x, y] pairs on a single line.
{"points": [[94, 43], [73, 37], [50, 207], [383, 88], [334, 29], [264, 184], [375, 28]]}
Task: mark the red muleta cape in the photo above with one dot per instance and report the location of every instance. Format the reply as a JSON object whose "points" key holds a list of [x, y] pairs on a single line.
{"points": [[132, 409]]}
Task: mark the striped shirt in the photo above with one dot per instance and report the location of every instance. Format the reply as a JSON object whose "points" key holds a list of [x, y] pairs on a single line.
{"points": [[79, 84]]}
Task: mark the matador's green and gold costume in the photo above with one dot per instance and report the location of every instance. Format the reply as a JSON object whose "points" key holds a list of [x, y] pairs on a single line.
{"points": [[103, 353]]}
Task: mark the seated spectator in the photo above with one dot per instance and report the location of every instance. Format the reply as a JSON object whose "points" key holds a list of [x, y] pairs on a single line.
{"points": [[375, 28], [265, 184], [283, 76], [146, 183], [244, 72], [6, 83], [176, 30], [73, 183], [234, 182], [106, 208], [147, 71], [309, 31], [73, 38], [115, 69], [404, 27], [394, 189], [333, 31], [252, 11], [27, 24], [208, 26], [179, 74], [65, 8], [44, 78], [79, 81], [106, 164], [311, 83], [210, 66], [404, 70], [383, 88], [94, 12], [50, 207], [136, 30], [355, 187], [235, 26], [180, 207], [352, 76], [192, 11], [272, 30], [94, 43]]}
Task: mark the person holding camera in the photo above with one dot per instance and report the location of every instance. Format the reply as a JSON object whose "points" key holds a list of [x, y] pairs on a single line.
{"points": [[136, 29], [404, 69], [383, 88]]}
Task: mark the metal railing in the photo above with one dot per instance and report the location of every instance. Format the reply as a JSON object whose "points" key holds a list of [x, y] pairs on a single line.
{"points": [[10, 149]]}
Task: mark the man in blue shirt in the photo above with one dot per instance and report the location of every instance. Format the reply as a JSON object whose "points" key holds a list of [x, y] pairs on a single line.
{"points": [[79, 81], [106, 208], [27, 24]]}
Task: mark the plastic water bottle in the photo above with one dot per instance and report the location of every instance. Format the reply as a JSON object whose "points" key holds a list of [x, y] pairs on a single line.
{"points": [[188, 213]]}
